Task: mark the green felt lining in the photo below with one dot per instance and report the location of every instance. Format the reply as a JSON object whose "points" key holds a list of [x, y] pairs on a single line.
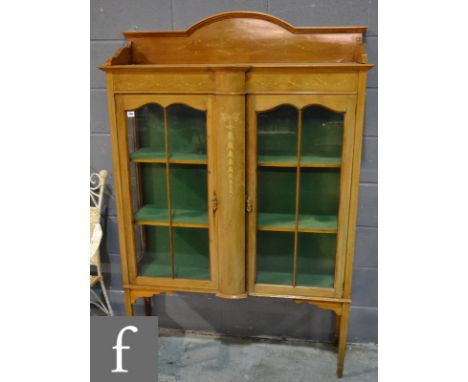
{"points": [[277, 132], [319, 191], [156, 259], [322, 134], [276, 190], [189, 187], [191, 253], [149, 122], [321, 144], [186, 133], [328, 222], [275, 257], [153, 185], [316, 260]]}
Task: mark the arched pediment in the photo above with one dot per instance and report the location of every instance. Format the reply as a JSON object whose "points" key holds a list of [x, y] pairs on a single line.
{"points": [[247, 37]]}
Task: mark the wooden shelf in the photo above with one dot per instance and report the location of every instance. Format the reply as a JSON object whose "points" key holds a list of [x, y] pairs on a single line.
{"points": [[147, 155], [276, 278], [318, 223], [149, 268], [285, 278], [149, 215], [194, 217], [183, 254], [291, 161], [286, 223]]}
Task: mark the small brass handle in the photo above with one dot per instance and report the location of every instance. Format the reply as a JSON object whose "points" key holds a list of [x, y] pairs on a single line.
{"points": [[249, 206], [214, 203]]}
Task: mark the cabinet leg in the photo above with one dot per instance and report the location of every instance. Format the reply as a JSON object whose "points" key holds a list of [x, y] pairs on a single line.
{"points": [[148, 307], [128, 303], [337, 329], [343, 334]]}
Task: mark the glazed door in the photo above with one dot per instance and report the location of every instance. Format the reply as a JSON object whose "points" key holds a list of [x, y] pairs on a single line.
{"points": [[165, 167], [299, 152]]}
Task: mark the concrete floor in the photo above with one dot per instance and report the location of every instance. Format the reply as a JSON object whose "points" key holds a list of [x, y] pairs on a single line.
{"points": [[203, 358]]}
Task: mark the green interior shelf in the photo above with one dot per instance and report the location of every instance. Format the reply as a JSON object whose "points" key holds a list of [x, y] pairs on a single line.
{"points": [[186, 136], [276, 193], [187, 133], [153, 188], [273, 220], [148, 153], [316, 260], [151, 213], [288, 221], [277, 133], [190, 217], [322, 135], [291, 160], [155, 257], [146, 131], [318, 198], [191, 255], [275, 257], [319, 191], [189, 193], [319, 185], [320, 160], [318, 222]]}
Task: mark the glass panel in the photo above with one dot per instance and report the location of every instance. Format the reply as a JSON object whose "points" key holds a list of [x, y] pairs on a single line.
{"points": [[191, 259], [276, 196], [322, 136], [188, 191], [318, 200], [277, 135], [275, 257], [155, 257], [153, 193], [316, 260], [146, 132], [187, 133], [189, 194]]}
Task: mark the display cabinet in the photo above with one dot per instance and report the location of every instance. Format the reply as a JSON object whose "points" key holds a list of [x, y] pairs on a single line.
{"points": [[236, 152]]}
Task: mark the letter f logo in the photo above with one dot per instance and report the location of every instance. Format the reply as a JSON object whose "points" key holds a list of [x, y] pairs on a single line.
{"points": [[119, 347]]}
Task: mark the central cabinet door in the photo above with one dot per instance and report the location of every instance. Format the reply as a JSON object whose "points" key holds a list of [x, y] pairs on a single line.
{"points": [[165, 144], [299, 151]]}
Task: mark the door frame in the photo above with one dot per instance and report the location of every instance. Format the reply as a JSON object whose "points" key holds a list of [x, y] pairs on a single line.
{"points": [[340, 103], [127, 102]]}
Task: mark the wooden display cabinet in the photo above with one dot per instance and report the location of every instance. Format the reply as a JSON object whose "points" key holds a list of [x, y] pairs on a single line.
{"points": [[236, 151]]}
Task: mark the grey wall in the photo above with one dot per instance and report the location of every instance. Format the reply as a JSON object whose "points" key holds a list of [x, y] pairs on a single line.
{"points": [[253, 316]]}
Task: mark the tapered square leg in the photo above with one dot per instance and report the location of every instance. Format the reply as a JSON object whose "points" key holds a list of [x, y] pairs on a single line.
{"points": [[337, 328], [148, 307], [128, 303], [342, 337]]}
